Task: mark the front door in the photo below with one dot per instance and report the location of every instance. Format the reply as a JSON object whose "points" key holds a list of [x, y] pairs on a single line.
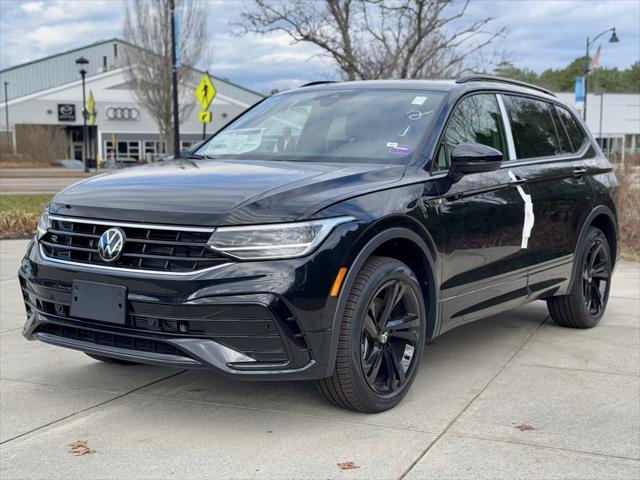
{"points": [[484, 267]]}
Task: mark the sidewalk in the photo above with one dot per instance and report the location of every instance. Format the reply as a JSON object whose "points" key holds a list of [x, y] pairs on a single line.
{"points": [[512, 396]]}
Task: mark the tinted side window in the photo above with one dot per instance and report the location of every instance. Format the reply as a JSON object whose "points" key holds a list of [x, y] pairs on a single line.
{"points": [[475, 119], [534, 132], [574, 131]]}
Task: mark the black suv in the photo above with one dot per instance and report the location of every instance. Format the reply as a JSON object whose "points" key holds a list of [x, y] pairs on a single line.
{"points": [[329, 232]]}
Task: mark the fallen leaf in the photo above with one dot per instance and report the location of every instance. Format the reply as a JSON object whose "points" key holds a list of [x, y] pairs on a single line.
{"points": [[347, 466], [80, 447], [524, 427]]}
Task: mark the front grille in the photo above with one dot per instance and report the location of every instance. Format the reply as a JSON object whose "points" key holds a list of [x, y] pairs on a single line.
{"points": [[248, 329], [109, 339], [145, 248]]}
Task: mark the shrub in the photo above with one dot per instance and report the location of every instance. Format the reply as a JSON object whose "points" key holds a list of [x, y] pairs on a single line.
{"points": [[41, 144], [629, 210]]}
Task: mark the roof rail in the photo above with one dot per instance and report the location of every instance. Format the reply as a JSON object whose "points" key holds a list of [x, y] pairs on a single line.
{"points": [[318, 82], [493, 78]]}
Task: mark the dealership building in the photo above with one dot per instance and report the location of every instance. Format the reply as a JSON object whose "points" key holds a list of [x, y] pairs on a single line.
{"points": [[48, 92]]}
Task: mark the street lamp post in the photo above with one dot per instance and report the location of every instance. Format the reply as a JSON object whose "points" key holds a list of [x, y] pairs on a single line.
{"points": [[82, 64], [6, 114], [174, 82], [614, 39]]}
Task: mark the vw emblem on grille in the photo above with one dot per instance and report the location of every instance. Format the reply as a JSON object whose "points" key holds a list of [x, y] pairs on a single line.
{"points": [[111, 244]]}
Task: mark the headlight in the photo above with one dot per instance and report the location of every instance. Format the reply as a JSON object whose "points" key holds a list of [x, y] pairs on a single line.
{"points": [[278, 240], [43, 223]]}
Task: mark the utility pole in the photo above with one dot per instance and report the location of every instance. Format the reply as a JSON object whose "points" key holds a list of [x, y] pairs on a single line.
{"points": [[174, 80]]}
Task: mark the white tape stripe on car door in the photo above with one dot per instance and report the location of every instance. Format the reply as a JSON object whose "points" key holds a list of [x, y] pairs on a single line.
{"points": [[529, 217]]}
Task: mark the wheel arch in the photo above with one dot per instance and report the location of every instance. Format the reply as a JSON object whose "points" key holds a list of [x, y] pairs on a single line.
{"points": [[603, 218], [401, 243]]}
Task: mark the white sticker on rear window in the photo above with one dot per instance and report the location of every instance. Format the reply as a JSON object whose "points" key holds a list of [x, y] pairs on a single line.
{"points": [[419, 100]]}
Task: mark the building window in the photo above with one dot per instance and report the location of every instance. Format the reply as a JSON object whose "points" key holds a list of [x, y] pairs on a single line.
{"points": [[632, 143], [154, 148], [612, 147], [124, 150]]}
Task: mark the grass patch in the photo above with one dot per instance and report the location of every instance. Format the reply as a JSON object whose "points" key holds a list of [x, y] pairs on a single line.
{"points": [[25, 164], [19, 214], [26, 203]]}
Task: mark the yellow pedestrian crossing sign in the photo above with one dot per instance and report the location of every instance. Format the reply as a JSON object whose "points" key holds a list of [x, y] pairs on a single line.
{"points": [[204, 117], [91, 109], [205, 91]]}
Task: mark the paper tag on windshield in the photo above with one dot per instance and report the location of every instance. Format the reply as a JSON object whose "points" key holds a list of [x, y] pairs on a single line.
{"points": [[419, 100]]}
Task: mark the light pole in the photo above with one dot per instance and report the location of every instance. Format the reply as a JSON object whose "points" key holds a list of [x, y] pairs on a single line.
{"points": [[614, 39], [82, 64], [174, 82], [6, 114], [600, 127]]}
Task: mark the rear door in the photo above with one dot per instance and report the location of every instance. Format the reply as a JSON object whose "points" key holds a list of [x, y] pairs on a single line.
{"points": [[484, 267], [552, 161]]}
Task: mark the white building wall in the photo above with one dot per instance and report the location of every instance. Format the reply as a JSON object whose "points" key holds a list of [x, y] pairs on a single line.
{"points": [[110, 90], [620, 112]]}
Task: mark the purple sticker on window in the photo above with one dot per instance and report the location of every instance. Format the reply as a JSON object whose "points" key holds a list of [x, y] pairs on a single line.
{"points": [[397, 148]]}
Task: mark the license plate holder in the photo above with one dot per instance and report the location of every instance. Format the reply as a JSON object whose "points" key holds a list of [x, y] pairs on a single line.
{"points": [[101, 302]]}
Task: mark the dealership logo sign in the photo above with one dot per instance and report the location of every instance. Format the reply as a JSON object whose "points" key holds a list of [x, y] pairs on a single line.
{"points": [[111, 244], [66, 112], [122, 113]]}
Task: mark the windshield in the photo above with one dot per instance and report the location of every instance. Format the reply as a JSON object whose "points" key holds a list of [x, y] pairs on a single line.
{"points": [[366, 126]]}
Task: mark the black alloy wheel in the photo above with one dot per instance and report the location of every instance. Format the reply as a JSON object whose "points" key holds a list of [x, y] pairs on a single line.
{"points": [[596, 273], [381, 338], [390, 335], [584, 305]]}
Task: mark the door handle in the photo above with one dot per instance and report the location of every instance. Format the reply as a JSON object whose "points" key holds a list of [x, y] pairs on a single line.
{"points": [[579, 172]]}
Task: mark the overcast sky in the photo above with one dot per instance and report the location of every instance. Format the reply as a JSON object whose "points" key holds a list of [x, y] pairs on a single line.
{"points": [[541, 34]]}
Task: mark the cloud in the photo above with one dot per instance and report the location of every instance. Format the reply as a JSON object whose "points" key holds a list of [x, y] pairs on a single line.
{"points": [[32, 7], [541, 34], [544, 34]]}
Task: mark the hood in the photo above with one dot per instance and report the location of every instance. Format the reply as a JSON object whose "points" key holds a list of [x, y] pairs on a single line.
{"points": [[214, 192]]}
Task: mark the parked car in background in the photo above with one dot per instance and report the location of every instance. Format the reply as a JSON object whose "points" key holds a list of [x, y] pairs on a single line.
{"points": [[329, 232]]}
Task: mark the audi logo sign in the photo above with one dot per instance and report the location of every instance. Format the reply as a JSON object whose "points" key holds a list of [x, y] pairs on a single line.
{"points": [[122, 113]]}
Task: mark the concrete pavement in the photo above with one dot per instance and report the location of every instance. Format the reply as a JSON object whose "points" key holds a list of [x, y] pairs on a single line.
{"points": [[578, 390]]}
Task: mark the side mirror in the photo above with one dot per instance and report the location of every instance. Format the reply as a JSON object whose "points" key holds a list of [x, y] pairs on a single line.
{"points": [[473, 158]]}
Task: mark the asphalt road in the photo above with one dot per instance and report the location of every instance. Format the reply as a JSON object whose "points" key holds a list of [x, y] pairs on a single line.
{"points": [[512, 396], [37, 180], [35, 185]]}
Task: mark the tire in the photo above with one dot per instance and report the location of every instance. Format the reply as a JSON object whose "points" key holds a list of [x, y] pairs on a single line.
{"points": [[115, 361], [389, 350], [585, 304]]}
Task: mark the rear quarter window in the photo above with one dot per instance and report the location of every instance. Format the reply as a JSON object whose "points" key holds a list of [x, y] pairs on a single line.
{"points": [[574, 131], [534, 133]]}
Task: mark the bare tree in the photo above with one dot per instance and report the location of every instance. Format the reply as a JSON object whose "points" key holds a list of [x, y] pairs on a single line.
{"points": [[371, 39], [147, 26]]}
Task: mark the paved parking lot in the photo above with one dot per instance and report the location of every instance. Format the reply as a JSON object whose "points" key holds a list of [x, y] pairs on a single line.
{"points": [[512, 396]]}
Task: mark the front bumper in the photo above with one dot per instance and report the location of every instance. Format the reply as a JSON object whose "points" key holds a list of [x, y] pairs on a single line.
{"points": [[267, 320]]}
